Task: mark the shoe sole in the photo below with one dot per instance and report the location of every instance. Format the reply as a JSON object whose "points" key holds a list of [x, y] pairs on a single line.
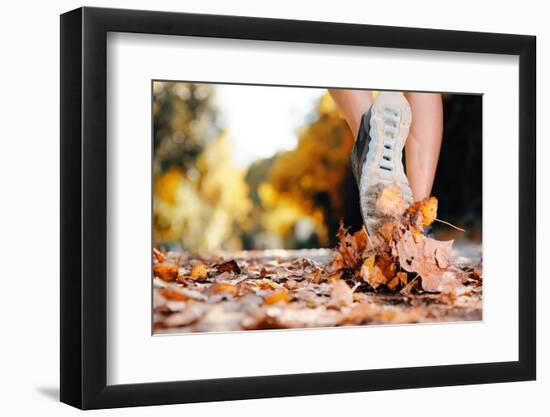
{"points": [[389, 127]]}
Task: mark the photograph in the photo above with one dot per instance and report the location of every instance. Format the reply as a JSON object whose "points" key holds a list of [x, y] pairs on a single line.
{"points": [[288, 207]]}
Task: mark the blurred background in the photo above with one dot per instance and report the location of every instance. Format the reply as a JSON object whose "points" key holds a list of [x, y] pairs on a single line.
{"points": [[257, 167]]}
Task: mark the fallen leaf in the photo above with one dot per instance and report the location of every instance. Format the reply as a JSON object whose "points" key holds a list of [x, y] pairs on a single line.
{"points": [[361, 239], [173, 294], [166, 272], [337, 262], [351, 247], [159, 256], [266, 284], [229, 266], [198, 272], [279, 296], [217, 288], [367, 269], [442, 257], [387, 229], [387, 265], [403, 277], [394, 282], [320, 275], [341, 295]]}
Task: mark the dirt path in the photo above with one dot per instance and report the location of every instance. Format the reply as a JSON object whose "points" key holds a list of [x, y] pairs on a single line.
{"points": [[294, 289]]}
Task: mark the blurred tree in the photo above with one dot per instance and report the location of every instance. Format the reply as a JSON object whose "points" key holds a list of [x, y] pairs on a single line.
{"points": [[200, 198], [185, 118], [312, 182]]}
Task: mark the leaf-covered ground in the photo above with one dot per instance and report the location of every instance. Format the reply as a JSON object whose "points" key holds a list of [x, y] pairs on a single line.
{"points": [[296, 289]]}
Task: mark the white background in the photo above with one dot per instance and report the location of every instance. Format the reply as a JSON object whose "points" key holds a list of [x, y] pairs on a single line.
{"points": [[30, 205]]}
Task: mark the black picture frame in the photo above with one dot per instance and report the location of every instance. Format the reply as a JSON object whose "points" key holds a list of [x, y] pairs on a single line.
{"points": [[84, 207]]}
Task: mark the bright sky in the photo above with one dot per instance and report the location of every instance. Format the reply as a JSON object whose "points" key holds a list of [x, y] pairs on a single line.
{"points": [[263, 120]]}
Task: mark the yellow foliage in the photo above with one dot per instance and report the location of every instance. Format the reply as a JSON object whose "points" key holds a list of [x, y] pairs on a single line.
{"points": [[166, 186], [202, 213], [428, 208], [317, 166], [281, 218], [268, 195]]}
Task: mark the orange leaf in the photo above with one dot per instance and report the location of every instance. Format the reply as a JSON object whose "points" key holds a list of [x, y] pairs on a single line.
{"points": [[403, 277], [424, 211], [198, 272], [392, 285], [166, 272], [223, 287], [361, 239], [277, 297], [159, 256], [428, 208], [173, 295]]}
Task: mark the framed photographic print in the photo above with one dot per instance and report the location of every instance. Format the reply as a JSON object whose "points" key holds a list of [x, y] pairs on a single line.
{"points": [[258, 207]]}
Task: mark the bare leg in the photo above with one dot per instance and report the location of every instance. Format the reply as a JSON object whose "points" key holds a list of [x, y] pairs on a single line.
{"points": [[424, 142], [353, 103]]}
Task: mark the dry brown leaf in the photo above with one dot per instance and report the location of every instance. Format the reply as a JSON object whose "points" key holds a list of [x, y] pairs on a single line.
{"points": [[429, 258], [230, 266], [387, 265], [337, 262], [350, 247], [442, 257], [403, 277], [361, 239], [379, 278], [386, 230], [341, 295], [166, 272], [320, 275]]}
